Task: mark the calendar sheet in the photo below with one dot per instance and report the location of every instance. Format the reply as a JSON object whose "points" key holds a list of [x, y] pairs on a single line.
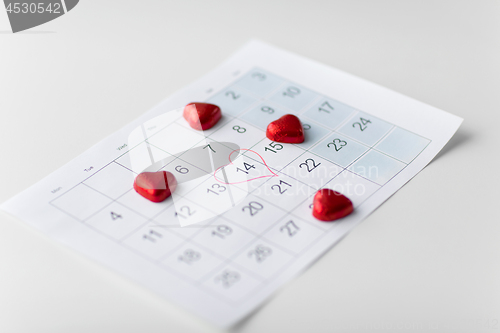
{"points": [[234, 232]]}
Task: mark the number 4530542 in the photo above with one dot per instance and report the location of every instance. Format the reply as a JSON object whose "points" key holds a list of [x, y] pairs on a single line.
{"points": [[25, 7]]}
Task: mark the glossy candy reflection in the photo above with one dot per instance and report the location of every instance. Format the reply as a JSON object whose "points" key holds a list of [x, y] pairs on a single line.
{"points": [[330, 205], [202, 116], [155, 186], [287, 129]]}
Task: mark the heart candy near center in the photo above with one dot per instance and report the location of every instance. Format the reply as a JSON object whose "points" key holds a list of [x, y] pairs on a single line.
{"points": [[287, 129]]}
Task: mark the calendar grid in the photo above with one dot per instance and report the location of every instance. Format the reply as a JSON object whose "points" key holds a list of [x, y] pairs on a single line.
{"points": [[191, 239], [325, 135], [253, 237], [372, 147], [186, 241]]}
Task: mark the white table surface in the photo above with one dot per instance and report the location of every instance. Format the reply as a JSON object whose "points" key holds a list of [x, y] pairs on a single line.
{"points": [[426, 261]]}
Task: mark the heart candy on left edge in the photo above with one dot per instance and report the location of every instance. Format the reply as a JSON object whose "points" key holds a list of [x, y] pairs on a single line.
{"points": [[155, 186], [330, 205], [202, 116]]}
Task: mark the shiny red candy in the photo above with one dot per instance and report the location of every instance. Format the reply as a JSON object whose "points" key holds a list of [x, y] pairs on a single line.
{"points": [[330, 205], [202, 116], [287, 129], [155, 186]]}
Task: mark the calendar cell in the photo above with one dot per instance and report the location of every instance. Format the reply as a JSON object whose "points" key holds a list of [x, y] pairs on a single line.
{"points": [[329, 112], [113, 180], [168, 219], [293, 96], [175, 139], [356, 188], [312, 170], [304, 211], [156, 124], [339, 149], [152, 126], [260, 82], [275, 154], [254, 214], [81, 202], [194, 262], [185, 188], [377, 167], [223, 237], [402, 145], [199, 158], [143, 206], [116, 221], [365, 128], [238, 132], [187, 175], [233, 100], [189, 213], [141, 157], [263, 259], [263, 114], [312, 133], [284, 192], [215, 196], [244, 172], [211, 156], [231, 283], [293, 234], [153, 241]]}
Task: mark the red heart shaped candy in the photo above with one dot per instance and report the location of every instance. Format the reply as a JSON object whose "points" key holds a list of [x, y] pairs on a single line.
{"points": [[287, 129], [155, 186], [330, 205], [202, 116]]}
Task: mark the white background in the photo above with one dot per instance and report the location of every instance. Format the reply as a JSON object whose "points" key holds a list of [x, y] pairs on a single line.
{"points": [[426, 261]]}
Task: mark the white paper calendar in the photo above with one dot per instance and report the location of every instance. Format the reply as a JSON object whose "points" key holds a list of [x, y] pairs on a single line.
{"points": [[239, 224]]}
